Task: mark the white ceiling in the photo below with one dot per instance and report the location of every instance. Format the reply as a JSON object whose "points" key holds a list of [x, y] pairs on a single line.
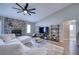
{"points": [[42, 10]]}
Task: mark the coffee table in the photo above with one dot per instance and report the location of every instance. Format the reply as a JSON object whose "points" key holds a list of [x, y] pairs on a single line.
{"points": [[38, 44]]}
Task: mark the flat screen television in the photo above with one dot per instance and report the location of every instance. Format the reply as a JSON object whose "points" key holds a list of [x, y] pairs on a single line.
{"points": [[43, 29]]}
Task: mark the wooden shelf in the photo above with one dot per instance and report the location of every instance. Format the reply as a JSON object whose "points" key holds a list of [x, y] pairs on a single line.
{"points": [[54, 32]]}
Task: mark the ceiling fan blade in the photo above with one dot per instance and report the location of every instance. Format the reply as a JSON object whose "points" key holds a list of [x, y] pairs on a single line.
{"points": [[28, 13], [33, 12], [16, 8], [26, 6], [19, 5], [19, 11], [33, 9]]}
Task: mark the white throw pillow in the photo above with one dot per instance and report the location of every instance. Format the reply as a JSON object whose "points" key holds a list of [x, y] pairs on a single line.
{"points": [[1, 42], [13, 40], [7, 37]]}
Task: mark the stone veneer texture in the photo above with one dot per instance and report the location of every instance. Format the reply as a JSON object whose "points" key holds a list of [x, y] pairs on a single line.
{"points": [[14, 24]]}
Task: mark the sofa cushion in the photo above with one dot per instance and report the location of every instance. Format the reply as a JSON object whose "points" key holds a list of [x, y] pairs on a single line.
{"points": [[16, 41], [24, 39], [1, 42], [6, 37], [13, 47]]}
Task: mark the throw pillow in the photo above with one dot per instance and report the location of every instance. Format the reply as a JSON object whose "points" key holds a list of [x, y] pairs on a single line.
{"points": [[7, 37], [1, 42]]}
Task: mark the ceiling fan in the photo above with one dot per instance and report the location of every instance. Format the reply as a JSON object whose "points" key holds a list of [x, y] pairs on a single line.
{"points": [[25, 9]]}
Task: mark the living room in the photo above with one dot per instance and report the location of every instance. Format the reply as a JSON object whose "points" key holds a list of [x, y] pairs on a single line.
{"points": [[38, 28]]}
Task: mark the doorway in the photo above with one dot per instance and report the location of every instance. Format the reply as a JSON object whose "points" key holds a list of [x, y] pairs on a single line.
{"points": [[72, 30], [72, 37]]}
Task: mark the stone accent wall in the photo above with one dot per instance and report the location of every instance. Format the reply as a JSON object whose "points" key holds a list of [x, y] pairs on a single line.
{"points": [[14, 24]]}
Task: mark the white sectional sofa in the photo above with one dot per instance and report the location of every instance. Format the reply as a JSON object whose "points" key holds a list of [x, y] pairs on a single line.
{"points": [[10, 45], [23, 39]]}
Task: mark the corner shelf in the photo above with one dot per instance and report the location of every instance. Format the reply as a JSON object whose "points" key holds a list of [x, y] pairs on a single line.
{"points": [[54, 33]]}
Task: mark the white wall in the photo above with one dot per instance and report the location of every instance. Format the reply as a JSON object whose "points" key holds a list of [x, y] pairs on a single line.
{"points": [[32, 26], [77, 30], [72, 30], [0, 26], [68, 13]]}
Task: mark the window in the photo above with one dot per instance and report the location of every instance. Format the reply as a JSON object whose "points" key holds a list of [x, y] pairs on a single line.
{"points": [[71, 27], [28, 28]]}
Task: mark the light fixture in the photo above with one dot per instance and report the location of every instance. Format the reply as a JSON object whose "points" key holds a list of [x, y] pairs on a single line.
{"points": [[25, 11]]}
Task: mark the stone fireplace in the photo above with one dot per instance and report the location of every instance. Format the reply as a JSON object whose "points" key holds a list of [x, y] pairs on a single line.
{"points": [[18, 27]]}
